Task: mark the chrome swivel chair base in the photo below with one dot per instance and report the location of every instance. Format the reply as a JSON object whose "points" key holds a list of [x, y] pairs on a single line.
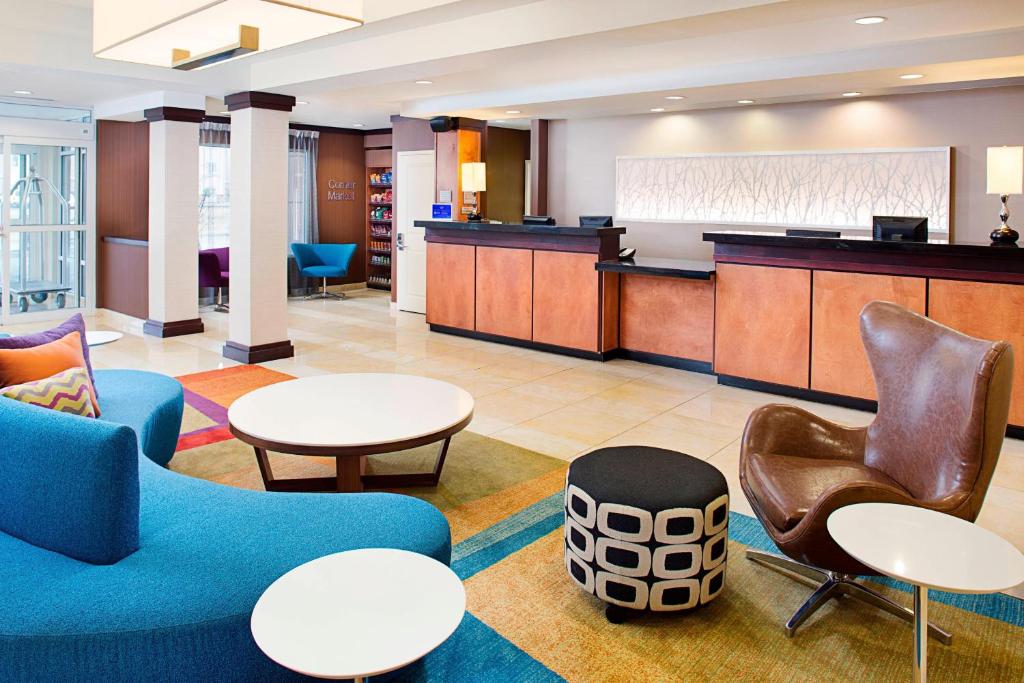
{"points": [[830, 585], [324, 294]]}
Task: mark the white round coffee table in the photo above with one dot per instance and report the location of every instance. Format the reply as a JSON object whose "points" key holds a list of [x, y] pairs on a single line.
{"points": [[349, 417], [929, 550], [358, 613], [101, 337]]}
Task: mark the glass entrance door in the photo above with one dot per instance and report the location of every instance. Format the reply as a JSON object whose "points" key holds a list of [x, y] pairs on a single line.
{"points": [[46, 228]]}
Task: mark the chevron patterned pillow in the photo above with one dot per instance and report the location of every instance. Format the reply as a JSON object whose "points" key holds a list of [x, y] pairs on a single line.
{"points": [[68, 392]]}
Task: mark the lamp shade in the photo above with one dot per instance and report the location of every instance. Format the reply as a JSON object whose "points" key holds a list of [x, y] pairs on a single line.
{"points": [[474, 176], [155, 33], [1005, 170]]}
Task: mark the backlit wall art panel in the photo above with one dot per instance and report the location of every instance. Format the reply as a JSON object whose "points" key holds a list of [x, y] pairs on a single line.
{"points": [[837, 189]]}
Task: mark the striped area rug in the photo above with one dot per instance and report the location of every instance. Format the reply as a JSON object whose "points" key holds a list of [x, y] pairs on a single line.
{"points": [[527, 621]]}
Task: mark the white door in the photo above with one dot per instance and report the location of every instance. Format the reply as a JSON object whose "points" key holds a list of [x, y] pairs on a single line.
{"points": [[415, 195], [46, 222]]}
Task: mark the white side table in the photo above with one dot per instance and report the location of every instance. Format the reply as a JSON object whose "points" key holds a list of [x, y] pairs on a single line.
{"points": [[101, 337], [358, 613], [929, 550]]}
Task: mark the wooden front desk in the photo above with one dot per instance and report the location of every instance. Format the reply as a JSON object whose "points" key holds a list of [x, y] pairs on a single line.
{"points": [[787, 308], [529, 285]]}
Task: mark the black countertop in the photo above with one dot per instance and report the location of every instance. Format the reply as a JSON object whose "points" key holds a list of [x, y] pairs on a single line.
{"points": [[866, 244], [517, 228], [666, 267]]}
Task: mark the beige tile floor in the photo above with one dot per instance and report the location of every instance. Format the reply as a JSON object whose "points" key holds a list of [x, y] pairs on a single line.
{"points": [[552, 404]]}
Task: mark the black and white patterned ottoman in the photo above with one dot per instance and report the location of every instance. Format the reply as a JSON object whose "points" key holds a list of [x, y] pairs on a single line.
{"points": [[646, 529]]}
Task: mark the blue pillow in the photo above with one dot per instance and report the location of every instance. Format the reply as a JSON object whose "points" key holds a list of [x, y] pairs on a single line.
{"points": [[4, 335], [69, 484]]}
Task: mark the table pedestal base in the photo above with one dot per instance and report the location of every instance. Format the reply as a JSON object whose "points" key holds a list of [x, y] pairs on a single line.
{"points": [[351, 475]]}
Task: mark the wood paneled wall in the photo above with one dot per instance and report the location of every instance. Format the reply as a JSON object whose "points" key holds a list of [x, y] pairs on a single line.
{"points": [[122, 211], [342, 158], [507, 150]]}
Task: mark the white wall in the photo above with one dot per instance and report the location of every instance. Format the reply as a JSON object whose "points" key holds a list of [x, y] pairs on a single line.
{"points": [[582, 152]]}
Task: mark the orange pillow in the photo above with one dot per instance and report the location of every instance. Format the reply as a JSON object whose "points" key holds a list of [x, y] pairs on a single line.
{"points": [[18, 366]]}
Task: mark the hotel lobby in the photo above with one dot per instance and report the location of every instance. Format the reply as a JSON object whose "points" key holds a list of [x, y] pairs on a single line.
{"points": [[480, 340]]}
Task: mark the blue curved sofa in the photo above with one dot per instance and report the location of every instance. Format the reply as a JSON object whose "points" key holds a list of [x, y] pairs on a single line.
{"points": [[117, 569]]}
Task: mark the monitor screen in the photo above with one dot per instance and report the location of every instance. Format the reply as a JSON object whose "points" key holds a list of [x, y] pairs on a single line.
{"points": [[538, 220], [899, 228], [595, 221]]}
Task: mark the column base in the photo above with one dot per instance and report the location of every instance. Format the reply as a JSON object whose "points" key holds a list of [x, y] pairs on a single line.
{"points": [[176, 328], [261, 353]]}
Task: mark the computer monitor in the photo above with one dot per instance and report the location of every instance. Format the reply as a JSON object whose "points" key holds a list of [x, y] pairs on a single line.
{"points": [[595, 221], [899, 229], [539, 220]]}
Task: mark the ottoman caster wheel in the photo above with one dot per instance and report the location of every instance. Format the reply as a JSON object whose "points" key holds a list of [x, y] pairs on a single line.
{"points": [[615, 614]]}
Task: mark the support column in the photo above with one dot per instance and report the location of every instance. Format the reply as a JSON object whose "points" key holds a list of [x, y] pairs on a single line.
{"points": [[258, 320], [173, 222]]}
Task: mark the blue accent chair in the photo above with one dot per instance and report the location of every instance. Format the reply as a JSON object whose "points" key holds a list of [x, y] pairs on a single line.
{"points": [[117, 569], [323, 261]]}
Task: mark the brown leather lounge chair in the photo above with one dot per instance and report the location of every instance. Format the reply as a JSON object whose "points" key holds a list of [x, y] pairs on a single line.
{"points": [[943, 399]]}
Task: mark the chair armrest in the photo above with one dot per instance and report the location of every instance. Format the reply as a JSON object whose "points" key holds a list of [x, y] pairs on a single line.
{"points": [[788, 430]]}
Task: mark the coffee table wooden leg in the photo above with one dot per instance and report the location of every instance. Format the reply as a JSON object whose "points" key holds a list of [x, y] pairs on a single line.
{"points": [[350, 479], [264, 462], [387, 481]]}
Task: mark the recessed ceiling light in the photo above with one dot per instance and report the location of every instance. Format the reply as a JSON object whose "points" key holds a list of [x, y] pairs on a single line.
{"points": [[499, 121], [866, 21], [657, 109], [22, 92], [744, 101], [911, 77], [852, 93], [301, 102], [513, 111], [224, 113], [358, 125], [424, 82], [674, 97]]}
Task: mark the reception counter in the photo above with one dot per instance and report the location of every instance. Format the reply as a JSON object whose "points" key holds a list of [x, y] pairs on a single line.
{"points": [[774, 313], [531, 285], [786, 308]]}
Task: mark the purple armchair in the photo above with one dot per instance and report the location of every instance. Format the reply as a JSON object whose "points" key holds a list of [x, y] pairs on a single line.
{"points": [[214, 272]]}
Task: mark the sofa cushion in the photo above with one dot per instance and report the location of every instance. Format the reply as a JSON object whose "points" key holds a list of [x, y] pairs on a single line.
{"points": [[69, 484], [150, 403], [75, 323], [65, 392], [28, 364]]}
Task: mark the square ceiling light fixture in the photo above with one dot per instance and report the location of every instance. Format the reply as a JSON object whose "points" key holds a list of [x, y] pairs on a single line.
{"points": [[191, 34]]}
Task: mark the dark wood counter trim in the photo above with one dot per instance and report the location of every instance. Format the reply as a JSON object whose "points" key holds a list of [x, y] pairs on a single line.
{"points": [[560, 230], [849, 244], [921, 265], [125, 241], [681, 268], [605, 247], [174, 114]]}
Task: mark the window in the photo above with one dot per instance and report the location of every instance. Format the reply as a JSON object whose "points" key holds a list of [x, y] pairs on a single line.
{"points": [[214, 196], [215, 187]]}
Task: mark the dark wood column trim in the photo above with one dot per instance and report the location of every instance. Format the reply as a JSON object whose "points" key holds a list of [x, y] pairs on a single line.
{"points": [[538, 167], [261, 353], [155, 328], [174, 114], [252, 99]]}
